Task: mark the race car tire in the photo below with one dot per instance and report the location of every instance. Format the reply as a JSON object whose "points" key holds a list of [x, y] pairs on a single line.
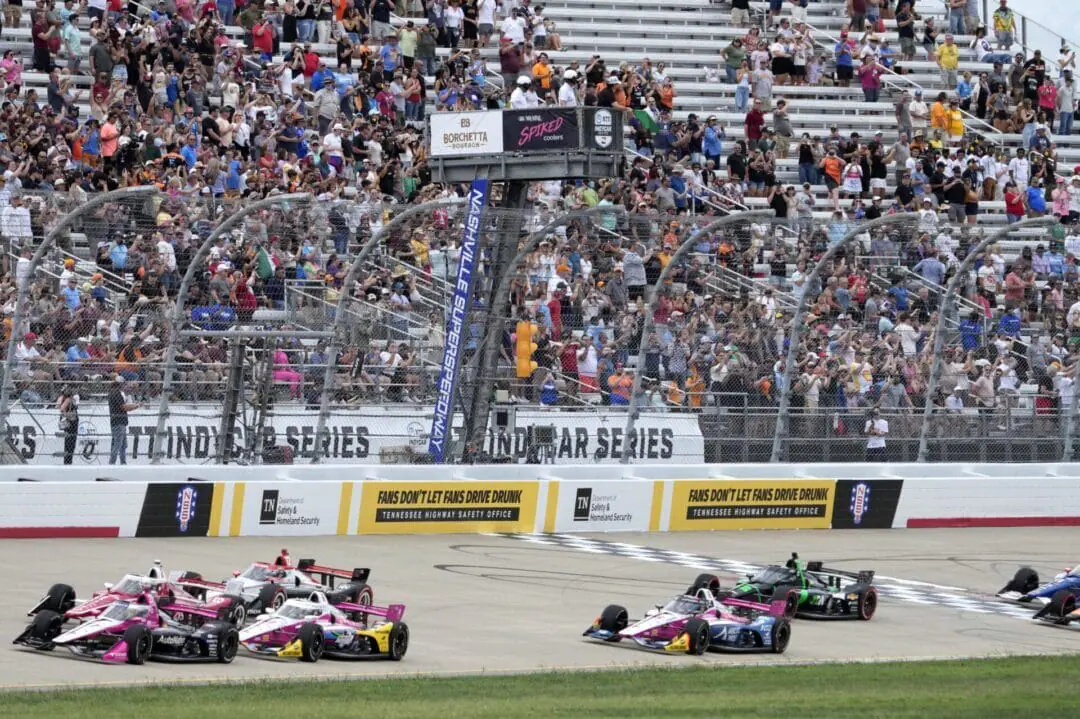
{"points": [[705, 581], [271, 597], [780, 635], [1061, 604], [790, 595], [399, 642], [60, 598], [234, 612], [228, 639], [697, 631], [47, 625], [868, 601], [312, 642], [139, 643], [614, 618], [1025, 580]]}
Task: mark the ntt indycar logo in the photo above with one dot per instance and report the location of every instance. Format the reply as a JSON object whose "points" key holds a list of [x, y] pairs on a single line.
{"points": [[860, 501], [455, 327]]}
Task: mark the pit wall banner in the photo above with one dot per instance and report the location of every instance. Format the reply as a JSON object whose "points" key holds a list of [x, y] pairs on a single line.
{"points": [[752, 504], [353, 437], [447, 507]]}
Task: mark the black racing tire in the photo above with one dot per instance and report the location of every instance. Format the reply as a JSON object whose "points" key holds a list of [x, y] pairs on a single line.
{"points": [[1061, 604], [697, 631], [46, 626], [139, 643], [312, 642], [235, 612], [59, 599], [868, 601], [614, 618], [1025, 580], [271, 597], [361, 594], [399, 642], [790, 597], [781, 636], [228, 639], [705, 581]]}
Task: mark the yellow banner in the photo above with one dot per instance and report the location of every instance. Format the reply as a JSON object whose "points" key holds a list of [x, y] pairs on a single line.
{"points": [[447, 507], [752, 504]]}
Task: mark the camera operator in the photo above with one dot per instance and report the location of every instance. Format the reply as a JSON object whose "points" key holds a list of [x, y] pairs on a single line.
{"points": [[68, 406]]}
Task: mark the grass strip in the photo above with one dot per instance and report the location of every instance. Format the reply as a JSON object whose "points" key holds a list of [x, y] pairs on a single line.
{"points": [[1022, 686]]}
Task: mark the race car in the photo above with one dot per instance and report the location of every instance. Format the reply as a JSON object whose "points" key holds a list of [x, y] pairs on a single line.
{"points": [[810, 591], [1024, 587], [697, 622], [1060, 610], [266, 585], [61, 598], [315, 627], [132, 631]]}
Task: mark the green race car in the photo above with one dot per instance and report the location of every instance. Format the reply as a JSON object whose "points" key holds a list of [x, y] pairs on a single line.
{"points": [[811, 591]]}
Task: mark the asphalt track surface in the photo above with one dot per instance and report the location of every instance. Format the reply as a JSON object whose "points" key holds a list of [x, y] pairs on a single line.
{"points": [[494, 604]]}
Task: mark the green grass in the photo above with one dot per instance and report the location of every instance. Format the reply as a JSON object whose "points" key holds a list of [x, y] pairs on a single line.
{"points": [[1015, 687]]}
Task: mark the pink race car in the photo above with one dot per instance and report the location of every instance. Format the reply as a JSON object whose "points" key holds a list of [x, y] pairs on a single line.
{"points": [[134, 630], [61, 598]]}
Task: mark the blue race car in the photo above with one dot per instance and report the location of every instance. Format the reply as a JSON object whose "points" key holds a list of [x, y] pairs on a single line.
{"points": [[1024, 587]]}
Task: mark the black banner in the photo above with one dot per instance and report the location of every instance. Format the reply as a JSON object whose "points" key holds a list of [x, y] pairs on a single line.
{"points": [[603, 129], [866, 504], [176, 510], [540, 129]]}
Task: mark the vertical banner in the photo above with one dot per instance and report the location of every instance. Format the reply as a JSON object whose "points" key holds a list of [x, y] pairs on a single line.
{"points": [[455, 326]]}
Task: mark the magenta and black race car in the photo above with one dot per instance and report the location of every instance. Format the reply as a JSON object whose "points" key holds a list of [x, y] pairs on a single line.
{"points": [[61, 598], [134, 630]]}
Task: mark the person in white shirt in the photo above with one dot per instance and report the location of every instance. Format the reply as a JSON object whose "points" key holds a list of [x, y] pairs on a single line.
{"points": [[568, 90], [513, 27], [15, 222], [1020, 170], [920, 113], [485, 21], [523, 96], [876, 430], [954, 402]]}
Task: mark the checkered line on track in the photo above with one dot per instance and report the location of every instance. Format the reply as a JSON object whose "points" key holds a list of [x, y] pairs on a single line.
{"points": [[924, 595]]}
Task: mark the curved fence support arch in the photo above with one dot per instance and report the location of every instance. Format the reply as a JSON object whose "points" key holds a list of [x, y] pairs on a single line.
{"points": [[685, 244]]}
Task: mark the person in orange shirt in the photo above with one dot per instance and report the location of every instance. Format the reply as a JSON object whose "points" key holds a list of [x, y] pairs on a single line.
{"points": [[110, 135], [667, 95], [621, 384], [939, 118], [832, 166], [542, 73]]}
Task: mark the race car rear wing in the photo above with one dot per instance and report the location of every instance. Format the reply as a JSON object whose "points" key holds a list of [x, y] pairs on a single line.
{"points": [[775, 608], [865, 576], [392, 613], [327, 575]]}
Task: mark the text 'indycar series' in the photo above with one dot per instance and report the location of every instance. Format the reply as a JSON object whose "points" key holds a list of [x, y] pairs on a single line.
{"points": [[809, 591], [135, 630], [697, 622], [264, 586], [312, 628]]}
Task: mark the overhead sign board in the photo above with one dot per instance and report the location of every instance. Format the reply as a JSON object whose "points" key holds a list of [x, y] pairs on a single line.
{"points": [[466, 133]]}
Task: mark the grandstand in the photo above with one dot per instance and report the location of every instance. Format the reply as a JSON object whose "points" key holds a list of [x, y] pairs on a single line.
{"points": [[723, 321]]}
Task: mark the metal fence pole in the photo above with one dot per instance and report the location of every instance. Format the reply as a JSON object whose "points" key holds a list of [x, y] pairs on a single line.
{"points": [[478, 420], [343, 301], [782, 419], [939, 329], [177, 323], [23, 290], [685, 244]]}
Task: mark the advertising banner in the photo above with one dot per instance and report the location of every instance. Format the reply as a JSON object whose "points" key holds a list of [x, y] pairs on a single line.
{"points": [[447, 507], [752, 504], [466, 133], [603, 129], [540, 129], [354, 437], [455, 325], [600, 505], [174, 509], [866, 504], [284, 509]]}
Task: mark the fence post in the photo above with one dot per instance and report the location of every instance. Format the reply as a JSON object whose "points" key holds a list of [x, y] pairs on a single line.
{"points": [[479, 412], [50, 239], [939, 329], [782, 419], [685, 244], [346, 296], [181, 297]]}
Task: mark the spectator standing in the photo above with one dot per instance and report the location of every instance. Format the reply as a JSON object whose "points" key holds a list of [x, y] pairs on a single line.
{"points": [[876, 430], [119, 406], [948, 57], [1004, 25]]}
